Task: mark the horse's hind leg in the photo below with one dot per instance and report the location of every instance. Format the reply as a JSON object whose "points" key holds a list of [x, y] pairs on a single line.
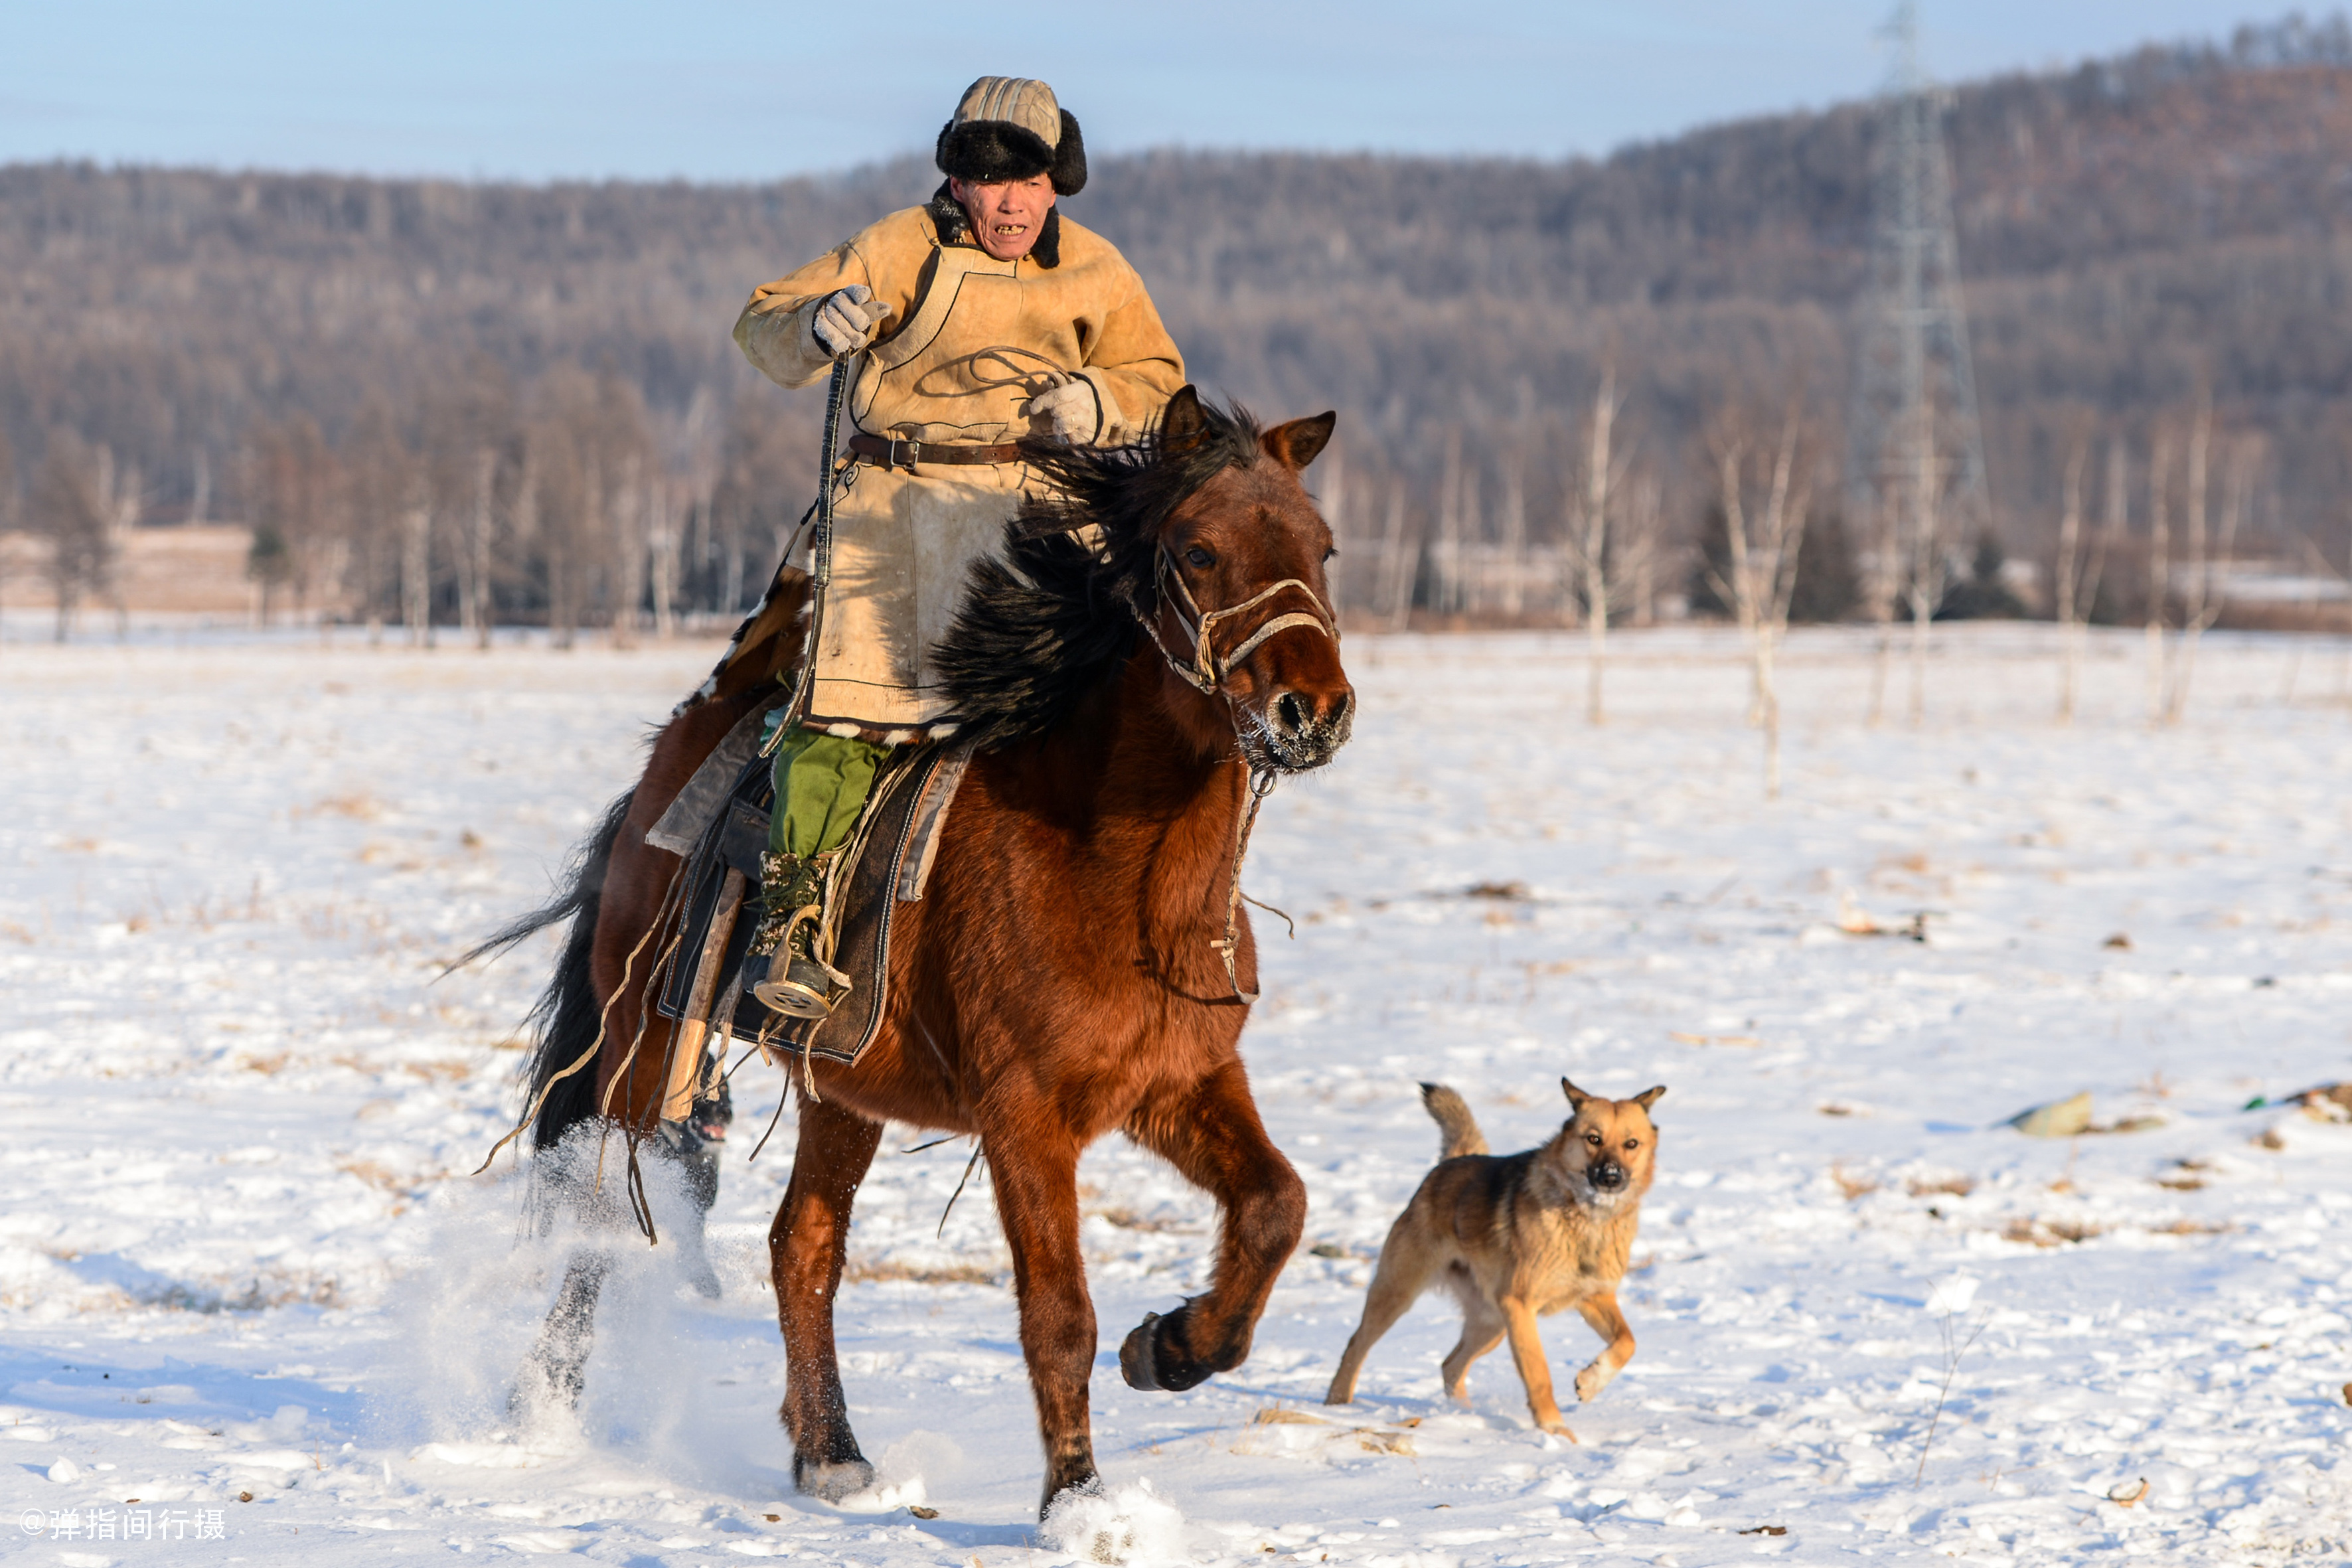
{"points": [[556, 1369], [1214, 1137], [805, 1248]]}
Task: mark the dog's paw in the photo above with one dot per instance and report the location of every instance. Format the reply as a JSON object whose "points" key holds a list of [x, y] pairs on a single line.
{"points": [[1558, 1429], [1592, 1380]]}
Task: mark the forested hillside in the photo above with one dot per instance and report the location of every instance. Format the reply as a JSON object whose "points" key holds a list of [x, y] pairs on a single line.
{"points": [[544, 375]]}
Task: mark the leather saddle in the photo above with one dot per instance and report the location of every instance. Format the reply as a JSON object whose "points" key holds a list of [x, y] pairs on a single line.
{"points": [[720, 824]]}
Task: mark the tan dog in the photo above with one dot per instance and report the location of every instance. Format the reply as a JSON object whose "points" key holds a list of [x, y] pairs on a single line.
{"points": [[1515, 1236]]}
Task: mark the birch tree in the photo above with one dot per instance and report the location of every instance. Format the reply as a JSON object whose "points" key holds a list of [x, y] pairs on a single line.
{"points": [[1609, 542], [416, 571], [625, 512], [1513, 550], [2201, 587], [1763, 541], [1399, 550], [474, 608], [2159, 569], [2078, 576]]}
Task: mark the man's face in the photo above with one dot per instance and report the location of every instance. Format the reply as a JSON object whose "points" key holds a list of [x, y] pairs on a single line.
{"points": [[1006, 215]]}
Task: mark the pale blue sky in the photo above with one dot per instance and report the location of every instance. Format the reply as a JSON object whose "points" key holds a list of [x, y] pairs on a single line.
{"points": [[537, 90]]}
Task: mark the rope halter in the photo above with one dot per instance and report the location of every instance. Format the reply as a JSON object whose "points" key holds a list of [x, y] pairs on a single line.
{"points": [[1206, 673]]}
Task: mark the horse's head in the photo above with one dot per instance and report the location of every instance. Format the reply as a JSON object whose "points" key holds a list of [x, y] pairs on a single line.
{"points": [[1201, 533], [1238, 601]]}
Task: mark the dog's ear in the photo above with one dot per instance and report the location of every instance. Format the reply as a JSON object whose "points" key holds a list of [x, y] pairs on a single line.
{"points": [[1576, 1097], [1649, 1097]]}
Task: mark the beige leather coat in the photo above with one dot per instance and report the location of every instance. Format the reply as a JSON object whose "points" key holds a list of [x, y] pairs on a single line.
{"points": [[966, 340]]}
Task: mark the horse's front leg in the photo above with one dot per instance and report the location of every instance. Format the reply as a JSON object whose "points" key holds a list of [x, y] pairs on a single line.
{"points": [[1212, 1135], [1036, 1174], [805, 1248]]}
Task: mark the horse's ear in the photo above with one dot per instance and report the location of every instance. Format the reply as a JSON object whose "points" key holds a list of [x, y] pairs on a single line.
{"points": [[1183, 419], [1296, 443]]}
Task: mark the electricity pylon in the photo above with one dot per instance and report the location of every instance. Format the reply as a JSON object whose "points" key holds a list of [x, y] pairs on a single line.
{"points": [[1915, 449]]}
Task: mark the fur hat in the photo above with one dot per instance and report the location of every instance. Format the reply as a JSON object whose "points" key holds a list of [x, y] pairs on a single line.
{"points": [[1010, 127]]}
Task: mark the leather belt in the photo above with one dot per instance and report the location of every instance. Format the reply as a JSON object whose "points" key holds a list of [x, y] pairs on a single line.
{"points": [[887, 453]]}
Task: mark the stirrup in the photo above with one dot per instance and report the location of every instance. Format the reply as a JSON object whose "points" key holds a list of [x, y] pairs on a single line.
{"points": [[799, 985], [792, 995]]}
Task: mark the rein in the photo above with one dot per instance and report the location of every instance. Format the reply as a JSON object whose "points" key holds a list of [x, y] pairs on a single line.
{"points": [[1206, 674]]}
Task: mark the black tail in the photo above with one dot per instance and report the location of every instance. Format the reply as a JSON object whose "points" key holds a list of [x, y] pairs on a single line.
{"points": [[565, 1015]]}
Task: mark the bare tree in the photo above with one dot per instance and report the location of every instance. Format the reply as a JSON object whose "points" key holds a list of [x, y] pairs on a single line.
{"points": [[1645, 535], [1445, 554], [1927, 565], [2203, 605], [416, 571], [625, 514], [297, 488], [1511, 549], [71, 509], [1880, 587], [1599, 560], [662, 545], [474, 607], [2077, 586], [1763, 542], [380, 478], [1399, 548], [2159, 569]]}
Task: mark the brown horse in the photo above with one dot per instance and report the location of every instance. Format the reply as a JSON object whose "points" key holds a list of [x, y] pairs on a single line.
{"points": [[1064, 976]]}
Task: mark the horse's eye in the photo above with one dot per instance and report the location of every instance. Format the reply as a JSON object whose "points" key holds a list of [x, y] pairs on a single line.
{"points": [[1201, 558], [1334, 550]]}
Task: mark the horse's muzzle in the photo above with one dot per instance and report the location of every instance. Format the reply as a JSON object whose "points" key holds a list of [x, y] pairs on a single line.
{"points": [[1297, 730]]}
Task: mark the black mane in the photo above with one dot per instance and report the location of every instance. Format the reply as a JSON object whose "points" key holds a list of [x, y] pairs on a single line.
{"points": [[1042, 627]]}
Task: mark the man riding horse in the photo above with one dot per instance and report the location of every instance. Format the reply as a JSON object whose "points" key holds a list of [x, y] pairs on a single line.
{"points": [[984, 316], [1154, 649]]}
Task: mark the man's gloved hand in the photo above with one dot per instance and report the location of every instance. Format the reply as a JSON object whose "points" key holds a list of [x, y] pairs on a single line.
{"points": [[1070, 411], [846, 321]]}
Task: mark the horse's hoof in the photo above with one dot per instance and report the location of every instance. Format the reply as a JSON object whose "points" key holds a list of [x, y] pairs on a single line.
{"points": [[830, 1481], [1135, 1357], [1086, 1484], [1143, 1362], [546, 1383]]}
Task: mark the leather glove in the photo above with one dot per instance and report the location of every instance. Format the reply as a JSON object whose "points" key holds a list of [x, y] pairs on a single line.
{"points": [[1070, 411], [845, 323]]}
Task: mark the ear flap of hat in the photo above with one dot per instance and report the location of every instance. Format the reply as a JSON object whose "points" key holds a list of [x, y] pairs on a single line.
{"points": [[986, 150], [1070, 158]]}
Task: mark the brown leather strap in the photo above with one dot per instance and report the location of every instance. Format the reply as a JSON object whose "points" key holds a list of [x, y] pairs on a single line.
{"points": [[884, 452]]}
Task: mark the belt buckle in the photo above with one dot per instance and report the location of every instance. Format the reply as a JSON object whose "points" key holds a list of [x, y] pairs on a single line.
{"points": [[913, 449]]}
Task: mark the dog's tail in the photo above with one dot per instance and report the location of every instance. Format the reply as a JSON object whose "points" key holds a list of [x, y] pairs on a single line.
{"points": [[1452, 1113]]}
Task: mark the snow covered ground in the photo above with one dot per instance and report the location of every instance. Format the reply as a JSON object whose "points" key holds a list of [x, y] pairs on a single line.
{"points": [[245, 1281]]}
